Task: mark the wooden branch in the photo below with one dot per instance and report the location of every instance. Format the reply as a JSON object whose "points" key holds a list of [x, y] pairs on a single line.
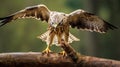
{"points": [[88, 61], [38, 59]]}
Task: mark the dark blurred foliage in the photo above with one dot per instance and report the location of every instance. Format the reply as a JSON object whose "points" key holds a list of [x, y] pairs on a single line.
{"points": [[20, 35]]}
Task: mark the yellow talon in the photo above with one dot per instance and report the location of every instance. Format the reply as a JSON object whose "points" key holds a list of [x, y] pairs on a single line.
{"points": [[47, 50], [63, 53]]}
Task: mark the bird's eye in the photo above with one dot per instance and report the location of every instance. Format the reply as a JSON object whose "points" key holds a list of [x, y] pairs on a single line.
{"points": [[51, 23], [60, 23], [61, 20]]}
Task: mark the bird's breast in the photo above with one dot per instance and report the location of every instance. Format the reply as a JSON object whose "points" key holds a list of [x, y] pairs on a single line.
{"points": [[57, 30]]}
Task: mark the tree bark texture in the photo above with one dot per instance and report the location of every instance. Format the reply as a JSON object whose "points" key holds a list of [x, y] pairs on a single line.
{"points": [[38, 59]]}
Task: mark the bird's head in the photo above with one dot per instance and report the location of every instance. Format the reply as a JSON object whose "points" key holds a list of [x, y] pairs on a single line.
{"points": [[57, 19]]}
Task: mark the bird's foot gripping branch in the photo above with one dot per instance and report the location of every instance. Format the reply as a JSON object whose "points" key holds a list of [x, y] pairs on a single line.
{"points": [[70, 52]]}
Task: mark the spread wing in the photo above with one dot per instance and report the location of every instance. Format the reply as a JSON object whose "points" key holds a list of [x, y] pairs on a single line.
{"points": [[81, 19], [40, 12]]}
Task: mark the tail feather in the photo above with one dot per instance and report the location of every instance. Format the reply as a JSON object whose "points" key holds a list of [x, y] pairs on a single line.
{"points": [[44, 36], [72, 38]]}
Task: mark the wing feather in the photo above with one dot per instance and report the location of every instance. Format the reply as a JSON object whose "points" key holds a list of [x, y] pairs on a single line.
{"points": [[40, 12], [81, 19]]}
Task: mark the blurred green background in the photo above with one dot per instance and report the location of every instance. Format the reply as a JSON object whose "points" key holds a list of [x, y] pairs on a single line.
{"points": [[20, 35]]}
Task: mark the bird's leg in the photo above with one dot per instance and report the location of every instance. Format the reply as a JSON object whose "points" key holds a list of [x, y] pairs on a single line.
{"points": [[59, 36], [49, 42], [66, 34], [66, 37], [63, 52], [66, 41]]}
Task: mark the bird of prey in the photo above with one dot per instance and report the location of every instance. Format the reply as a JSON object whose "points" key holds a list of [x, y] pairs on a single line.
{"points": [[59, 23]]}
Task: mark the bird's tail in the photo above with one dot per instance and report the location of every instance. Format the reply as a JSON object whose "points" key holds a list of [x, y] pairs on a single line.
{"points": [[44, 36], [72, 38]]}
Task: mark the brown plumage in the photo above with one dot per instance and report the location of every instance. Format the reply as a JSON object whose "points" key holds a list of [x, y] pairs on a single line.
{"points": [[59, 23], [87, 21]]}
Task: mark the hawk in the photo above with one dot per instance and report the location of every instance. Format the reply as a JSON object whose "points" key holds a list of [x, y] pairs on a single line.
{"points": [[59, 23]]}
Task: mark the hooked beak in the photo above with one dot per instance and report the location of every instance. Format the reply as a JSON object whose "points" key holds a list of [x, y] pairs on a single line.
{"points": [[54, 25]]}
